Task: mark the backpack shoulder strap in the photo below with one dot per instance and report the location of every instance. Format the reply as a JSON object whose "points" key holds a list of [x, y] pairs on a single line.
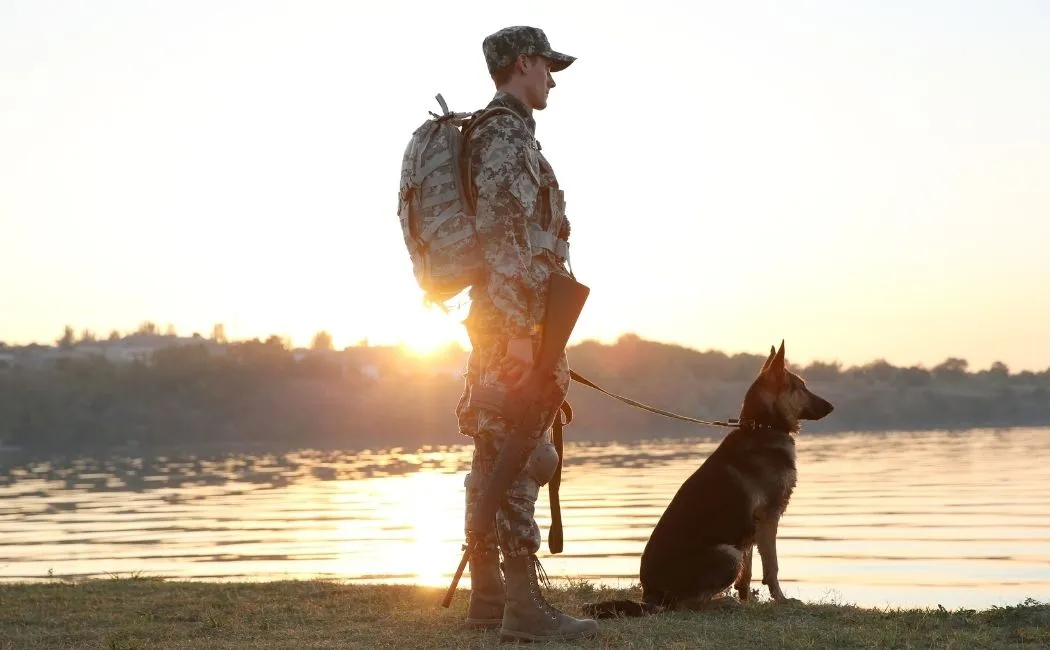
{"points": [[484, 114], [465, 157]]}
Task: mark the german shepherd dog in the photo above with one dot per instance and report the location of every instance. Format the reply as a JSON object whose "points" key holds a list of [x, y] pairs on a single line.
{"points": [[702, 543]]}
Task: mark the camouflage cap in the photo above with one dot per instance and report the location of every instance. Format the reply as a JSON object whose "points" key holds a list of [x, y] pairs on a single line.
{"points": [[508, 43]]}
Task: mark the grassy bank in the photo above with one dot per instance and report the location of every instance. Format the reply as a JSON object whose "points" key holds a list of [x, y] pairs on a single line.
{"points": [[147, 613]]}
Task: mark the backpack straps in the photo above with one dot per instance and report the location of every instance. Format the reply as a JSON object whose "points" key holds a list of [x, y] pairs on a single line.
{"points": [[473, 123]]}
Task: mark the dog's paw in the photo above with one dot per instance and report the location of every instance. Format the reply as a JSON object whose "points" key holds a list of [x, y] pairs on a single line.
{"points": [[788, 601], [724, 603]]}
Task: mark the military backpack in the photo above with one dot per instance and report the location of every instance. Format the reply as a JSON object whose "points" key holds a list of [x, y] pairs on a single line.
{"points": [[436, 207]]}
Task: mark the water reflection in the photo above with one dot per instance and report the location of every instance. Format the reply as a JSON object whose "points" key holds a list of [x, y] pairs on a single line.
{"points": [[905, 519]]}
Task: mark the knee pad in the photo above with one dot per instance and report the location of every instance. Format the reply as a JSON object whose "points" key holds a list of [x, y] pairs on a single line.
{"points": [[542, 463]]}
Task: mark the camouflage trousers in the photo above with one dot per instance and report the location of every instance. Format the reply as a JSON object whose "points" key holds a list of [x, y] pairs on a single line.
{"points": [[517, 532]]}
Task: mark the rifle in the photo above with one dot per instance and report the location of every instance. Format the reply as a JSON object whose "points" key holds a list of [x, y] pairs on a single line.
{"points": [[565, 299]]}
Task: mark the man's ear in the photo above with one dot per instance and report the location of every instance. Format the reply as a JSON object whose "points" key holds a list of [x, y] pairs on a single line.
{"points": [[523, 63]]}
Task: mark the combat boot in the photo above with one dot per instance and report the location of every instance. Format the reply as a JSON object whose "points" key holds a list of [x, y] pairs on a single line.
{"points": [[487, 596], [528, 616]]}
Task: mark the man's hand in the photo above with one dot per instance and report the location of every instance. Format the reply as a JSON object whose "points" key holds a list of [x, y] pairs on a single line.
{"points": [[518, 363]]}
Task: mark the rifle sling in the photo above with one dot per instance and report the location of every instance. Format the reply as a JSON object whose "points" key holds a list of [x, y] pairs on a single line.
{"points": [[555, 539]]}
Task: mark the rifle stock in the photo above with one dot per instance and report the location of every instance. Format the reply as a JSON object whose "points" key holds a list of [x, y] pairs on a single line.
{"points": [[565, 300]]}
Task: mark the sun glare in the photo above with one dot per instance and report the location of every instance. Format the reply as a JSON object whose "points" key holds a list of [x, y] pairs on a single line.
{"points": [[435, 518], [431, 332], [424, 343]]}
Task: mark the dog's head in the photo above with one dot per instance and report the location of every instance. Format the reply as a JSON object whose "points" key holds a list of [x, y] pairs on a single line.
{"points": [[780, 397]]}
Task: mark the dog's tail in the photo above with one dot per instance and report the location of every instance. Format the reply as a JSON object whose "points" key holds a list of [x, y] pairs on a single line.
{"points": [[620, 608]]}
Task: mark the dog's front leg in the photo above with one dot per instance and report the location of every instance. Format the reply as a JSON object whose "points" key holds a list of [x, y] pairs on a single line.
{"points": [[743, 579], [767, 548]]}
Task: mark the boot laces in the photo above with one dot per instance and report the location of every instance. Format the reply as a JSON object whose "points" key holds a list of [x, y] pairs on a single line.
{"points": [[541, 576]]}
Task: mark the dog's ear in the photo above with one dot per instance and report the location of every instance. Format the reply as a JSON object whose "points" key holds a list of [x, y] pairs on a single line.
{"points": [[769, 359], [774, 373], [776, 365]]}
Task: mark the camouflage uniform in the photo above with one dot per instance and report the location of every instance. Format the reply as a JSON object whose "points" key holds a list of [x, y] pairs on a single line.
{"points": [[521, 226], [517, 194]]}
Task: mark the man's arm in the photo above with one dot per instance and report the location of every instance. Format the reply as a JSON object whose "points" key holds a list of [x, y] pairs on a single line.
{"points": [[506, 192]]}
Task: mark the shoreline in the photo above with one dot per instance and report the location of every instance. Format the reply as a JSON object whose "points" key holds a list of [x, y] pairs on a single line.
{"points": [[278, 447]]}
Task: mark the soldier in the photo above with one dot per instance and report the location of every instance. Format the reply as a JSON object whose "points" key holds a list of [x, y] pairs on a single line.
{"points": [[523, 232]]}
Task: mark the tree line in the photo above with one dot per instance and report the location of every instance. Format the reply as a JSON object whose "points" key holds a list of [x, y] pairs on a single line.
{"points": [[265, 393]]}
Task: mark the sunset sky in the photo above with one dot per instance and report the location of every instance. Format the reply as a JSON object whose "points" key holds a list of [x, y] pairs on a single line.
{"points": [[863, 179]]}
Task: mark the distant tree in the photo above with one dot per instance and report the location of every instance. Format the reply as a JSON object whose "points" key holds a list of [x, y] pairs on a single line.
{"points": [[276, 343], [184, 360], [951, 366], [68, 339], [821, 371], [629, 338], [147, 327], [87, 336], [114, 335], [914, 376], [997, 373], [879, 370], [322, 341], [273, 356]]}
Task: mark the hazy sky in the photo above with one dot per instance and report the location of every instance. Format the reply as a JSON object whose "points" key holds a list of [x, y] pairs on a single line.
{"points": [[863, 179]]}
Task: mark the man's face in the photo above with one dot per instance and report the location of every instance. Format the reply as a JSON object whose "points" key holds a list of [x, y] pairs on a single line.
{"points": [[537, 81]]}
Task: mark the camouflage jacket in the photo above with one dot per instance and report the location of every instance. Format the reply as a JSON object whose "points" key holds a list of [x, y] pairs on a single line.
{"points": [[516, 192]]}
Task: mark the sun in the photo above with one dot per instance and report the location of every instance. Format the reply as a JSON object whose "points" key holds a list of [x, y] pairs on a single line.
{"points": [[430, 332], [424, 343]]}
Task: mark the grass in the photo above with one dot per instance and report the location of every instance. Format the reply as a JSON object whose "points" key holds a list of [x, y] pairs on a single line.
{"points": [[125, 613]]}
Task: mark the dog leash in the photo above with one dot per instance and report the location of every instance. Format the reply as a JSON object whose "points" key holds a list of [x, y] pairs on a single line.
{"points": [[730, 423], [556, 539]]}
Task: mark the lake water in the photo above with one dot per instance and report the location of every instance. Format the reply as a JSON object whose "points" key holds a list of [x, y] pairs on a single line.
{"points": [[898, 519]]}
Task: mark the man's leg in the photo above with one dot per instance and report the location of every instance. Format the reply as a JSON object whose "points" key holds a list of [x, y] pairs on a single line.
{"points": [[487, 596], [527, 615]]}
